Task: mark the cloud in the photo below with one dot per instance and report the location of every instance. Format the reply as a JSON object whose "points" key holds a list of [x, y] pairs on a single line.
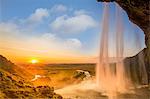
{"points": [[13, 39], [64, 43], [80, 12], [8, 30], [49, 36], [38, 15], [34, 20], [18, 39], [73, 43], [78, 23], [59, 8]]}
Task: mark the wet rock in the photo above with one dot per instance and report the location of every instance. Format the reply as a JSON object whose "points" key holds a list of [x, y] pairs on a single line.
{"points": [[81, 74]]}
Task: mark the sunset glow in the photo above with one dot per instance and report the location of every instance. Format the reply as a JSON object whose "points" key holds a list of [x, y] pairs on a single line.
{"points": [[34, 61], [62, 38]]}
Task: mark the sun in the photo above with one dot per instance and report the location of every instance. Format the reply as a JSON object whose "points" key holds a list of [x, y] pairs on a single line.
{"points": [[34, 61]]}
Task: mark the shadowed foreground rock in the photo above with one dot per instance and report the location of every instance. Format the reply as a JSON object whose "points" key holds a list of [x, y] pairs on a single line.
{"points": [[13, 88]]}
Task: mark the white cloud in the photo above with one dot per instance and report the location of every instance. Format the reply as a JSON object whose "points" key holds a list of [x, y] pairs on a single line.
{"points": [[50, 43], [12, 38], [59, 8], [68, 43], [75, 24], [38, 15], [16, 35], [49, 36], [73, 43], [80, 12], [8, 30]]}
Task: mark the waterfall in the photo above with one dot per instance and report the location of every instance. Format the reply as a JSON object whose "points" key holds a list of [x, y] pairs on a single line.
{"points": [[107, 79], [113, 77]]}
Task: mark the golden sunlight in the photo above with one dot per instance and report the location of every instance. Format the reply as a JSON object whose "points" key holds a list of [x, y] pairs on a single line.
{"points": [[34, 61]]}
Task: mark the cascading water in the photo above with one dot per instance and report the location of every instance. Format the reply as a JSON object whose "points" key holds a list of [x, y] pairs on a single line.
{"points": [[107, 79], [112, 76]]}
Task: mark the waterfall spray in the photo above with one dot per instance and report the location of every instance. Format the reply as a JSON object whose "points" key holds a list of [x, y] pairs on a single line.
{"points": [[117, 76], [110, 78]]}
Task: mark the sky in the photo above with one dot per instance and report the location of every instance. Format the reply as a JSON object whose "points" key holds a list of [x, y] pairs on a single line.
{"points": [[56, 30]]}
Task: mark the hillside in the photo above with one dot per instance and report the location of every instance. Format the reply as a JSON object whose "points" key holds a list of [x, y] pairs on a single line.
{"points": [[14, 86], [6, 64]]}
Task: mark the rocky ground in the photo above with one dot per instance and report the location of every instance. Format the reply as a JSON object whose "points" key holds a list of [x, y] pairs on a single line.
{"points": [[14, 86]]}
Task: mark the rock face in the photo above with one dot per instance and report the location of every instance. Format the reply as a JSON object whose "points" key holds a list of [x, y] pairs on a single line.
{"points": [[139, 13], [135, 68]]}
